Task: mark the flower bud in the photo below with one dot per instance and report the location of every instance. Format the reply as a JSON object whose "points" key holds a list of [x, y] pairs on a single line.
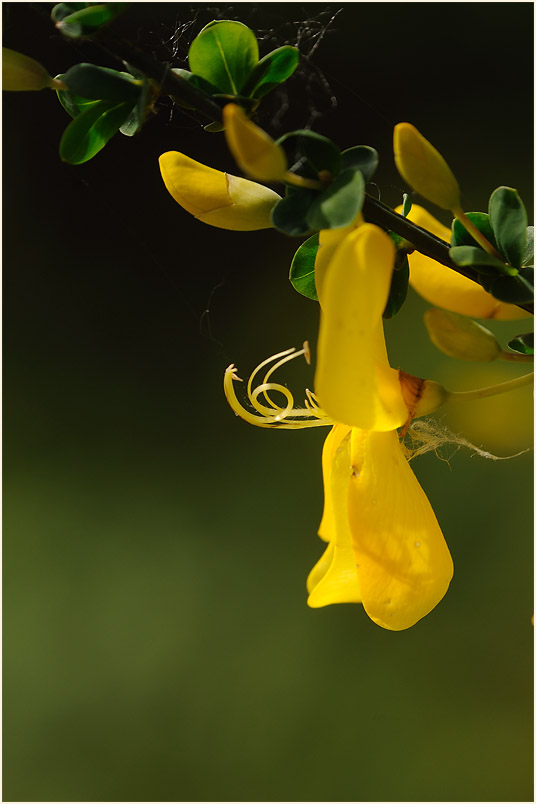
{"points": [[20, 72], [254, 151], [421, 396], [214, 197], [461, 337], [424, 169]]}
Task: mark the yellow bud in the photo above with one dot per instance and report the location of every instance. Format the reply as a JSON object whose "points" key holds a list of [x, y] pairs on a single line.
{"points": [[461, 337], [20, 72], [424, 169], [421, 396], [254, 151], [214, 197]]}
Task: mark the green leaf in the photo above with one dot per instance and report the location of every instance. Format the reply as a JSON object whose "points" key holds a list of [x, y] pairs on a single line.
{"points": [[101, 83], [399, 285], [271, 71], [319, 152], [508, 220], [512, 289], [461, 237], [407, 203], [523, 344], [197, 81], [224, 54], [302, 268], [363, 158], [477, 258], [528, 254], [73, 104], [136, 118], [75, 22], [88, 133], [339, 204], [290, 214]]}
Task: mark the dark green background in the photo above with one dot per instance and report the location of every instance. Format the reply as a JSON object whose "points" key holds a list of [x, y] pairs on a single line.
{"points": [[157, 644]]}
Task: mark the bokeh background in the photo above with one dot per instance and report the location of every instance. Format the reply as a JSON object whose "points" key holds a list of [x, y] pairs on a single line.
{"points": [[157, 644]]}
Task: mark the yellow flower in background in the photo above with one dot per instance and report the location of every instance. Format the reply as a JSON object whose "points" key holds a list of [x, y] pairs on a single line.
{"points": [[446, 288], [22, 73], [385, 548], [214, 197], [253, 149], [423, 168]]}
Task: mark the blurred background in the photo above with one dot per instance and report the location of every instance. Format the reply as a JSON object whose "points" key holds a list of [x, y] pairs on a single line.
{"points": [[157, 643]]}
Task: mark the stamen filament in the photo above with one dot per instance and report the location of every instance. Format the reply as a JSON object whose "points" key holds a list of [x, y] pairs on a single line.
{"points": [[286, 417]]}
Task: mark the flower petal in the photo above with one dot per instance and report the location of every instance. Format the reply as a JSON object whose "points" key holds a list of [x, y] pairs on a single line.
{"points": [[253, 149], [332, 443], [214, 197], [334, 579], [354, 382], [404, 565], [444, 287]]}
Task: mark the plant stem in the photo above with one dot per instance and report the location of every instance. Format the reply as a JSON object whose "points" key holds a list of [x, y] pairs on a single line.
{"points": [[422, 240], [516, 357], [491, 390]]}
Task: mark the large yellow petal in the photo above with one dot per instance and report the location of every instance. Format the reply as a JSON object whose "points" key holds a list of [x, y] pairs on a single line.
{"points": [[404, 565], [253, 149], [332, 443], [214, 197], [354, 382], [444, 287], [334, 577]]}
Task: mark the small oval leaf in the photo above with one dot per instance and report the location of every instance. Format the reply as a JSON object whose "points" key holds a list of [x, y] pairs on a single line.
{"points": [[508, 219], [224, 53], [524, 344], [88, 133], [271, 71], [302, 268], [363, 158], [101, 83], [339, 204], [290, 214]]}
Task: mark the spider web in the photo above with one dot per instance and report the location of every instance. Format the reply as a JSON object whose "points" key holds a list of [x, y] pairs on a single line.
{"points": [[311, 93]]}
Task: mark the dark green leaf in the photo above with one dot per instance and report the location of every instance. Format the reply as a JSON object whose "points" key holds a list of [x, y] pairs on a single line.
{"points": [[73, 104], [197, 81], [407, 203], [528, 254], [101, 83], [509, 223], [523, 344], [290, 214], [88, 133], [363, 158], [318, 152], [339, 204], [302, 268], [461, 237], [512, 289], [62, 10], [272, 70], [477, 258], [85, 21], [399, 285], [224, 54], [136, 118]]}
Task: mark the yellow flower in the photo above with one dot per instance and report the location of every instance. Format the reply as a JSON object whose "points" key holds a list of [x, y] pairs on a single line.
{"points": [[444, 287], [385, 548], [253, 149], [214, 197], [423, 167]]}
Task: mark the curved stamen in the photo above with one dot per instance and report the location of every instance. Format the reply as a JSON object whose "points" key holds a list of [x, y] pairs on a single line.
{"points": [[287, 416]]}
